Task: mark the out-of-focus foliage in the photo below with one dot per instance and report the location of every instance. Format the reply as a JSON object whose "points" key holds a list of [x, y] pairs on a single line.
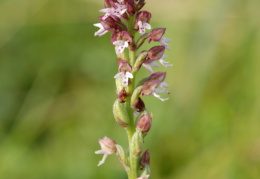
{"points": [[57, 91]]}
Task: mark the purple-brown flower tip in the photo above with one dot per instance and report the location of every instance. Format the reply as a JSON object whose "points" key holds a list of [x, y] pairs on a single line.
{"points": [[145, 160], [108, 147], [130, 5], [155, 53], [112, 23], [138, 105], [144, 123], [122, 95], [156, 34], [142, 21], [159, 76], [140, 4], [110, 3]]}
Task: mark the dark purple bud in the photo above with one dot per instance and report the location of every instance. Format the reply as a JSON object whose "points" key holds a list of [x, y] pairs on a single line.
{"points": [[144, 17], [122, 95], [140, 5], [112, 23], [139, 105], [145, 160], [123, 66], [156, 34], [130, 7], [144, 123], [156, 53], [110, 3]]}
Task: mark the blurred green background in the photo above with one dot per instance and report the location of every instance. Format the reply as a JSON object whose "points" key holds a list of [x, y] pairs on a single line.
{"points": [[57, 91]]}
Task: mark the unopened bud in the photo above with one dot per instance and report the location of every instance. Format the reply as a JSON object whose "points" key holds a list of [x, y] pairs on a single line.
{"points": [[109, 3], [112, 23], [140, 5], [145, 160], [156, 34], [144, 123], [122, 95], [139, 105], [120, 114], [130, 5]]}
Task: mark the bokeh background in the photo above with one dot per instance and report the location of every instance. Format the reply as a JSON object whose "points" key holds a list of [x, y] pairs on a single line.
{"points": [[57, 91]]}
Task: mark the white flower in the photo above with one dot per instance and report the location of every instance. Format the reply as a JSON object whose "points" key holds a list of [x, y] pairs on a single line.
{"points": [[143, 26], [157, 91], [101, 31], [121, 46], [144, 177], [124, 76], [163, 41], [119, 11], [108, 147], [164, 63], [149, 66]]}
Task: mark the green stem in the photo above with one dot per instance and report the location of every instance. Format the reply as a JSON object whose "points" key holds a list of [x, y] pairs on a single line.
{"points": [[133, 160]]}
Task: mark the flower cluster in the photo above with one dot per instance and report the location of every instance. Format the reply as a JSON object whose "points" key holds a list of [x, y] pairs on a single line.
{"points": [[130, 28]]}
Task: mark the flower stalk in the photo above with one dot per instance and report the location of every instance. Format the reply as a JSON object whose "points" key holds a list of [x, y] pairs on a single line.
{"points": [[126, 22]]}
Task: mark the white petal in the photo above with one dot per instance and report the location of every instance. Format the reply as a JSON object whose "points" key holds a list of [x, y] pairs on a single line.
{"points": [[148, 68], [103, 160], [118, 42], [164, 63], [154, 64], [99, 152], [125, 81], [147, 26], [164, 85], [158, 90], [119, 75], [136, 113], [106, 10], [165, 39], [129, 75], [98, 25], [159, 97]]}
